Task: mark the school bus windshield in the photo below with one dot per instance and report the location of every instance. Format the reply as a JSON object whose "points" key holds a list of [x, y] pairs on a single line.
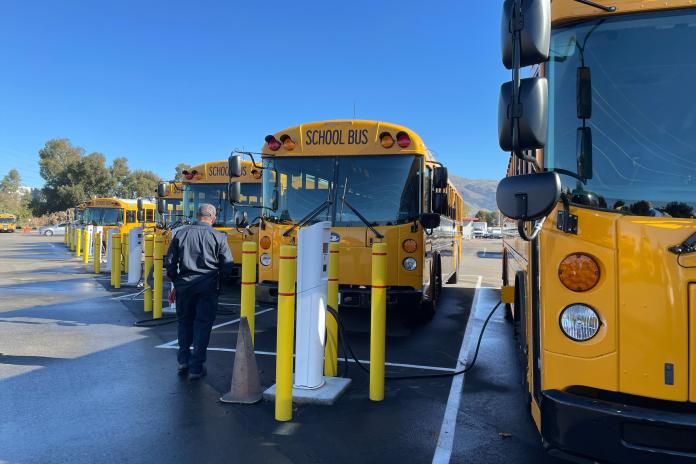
{"points": [[383, 189], [643, 122], [7, 220], [103, 216]]}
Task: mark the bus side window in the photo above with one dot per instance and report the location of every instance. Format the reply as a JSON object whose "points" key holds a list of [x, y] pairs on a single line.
{"points": [[130, 217], [427, 188]]}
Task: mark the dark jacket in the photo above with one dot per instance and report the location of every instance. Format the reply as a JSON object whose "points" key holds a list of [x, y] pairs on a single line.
{"points": [[197, 254]]}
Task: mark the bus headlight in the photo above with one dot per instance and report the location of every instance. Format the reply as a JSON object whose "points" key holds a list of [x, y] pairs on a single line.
{"points": [[579, 322], [410, 264], [265, 259]]}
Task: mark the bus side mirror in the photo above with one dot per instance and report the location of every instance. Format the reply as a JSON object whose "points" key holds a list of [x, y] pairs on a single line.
{"points": [[161, 206], [440, 177], [140, 204], [240, 219], [234, 166], [534, 27], [141, 215], [531, 113], [162, 189], [439, 203], [528, 197], [430, 220], [234, 193]]}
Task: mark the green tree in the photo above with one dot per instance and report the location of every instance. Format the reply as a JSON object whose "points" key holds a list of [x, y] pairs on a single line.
{"points": [[119, 173], [178, 177], [141, 183], [13, 199]]}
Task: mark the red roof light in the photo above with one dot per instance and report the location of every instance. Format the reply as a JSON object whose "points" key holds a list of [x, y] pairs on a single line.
{"points": [[273, 143], [403, 140]]}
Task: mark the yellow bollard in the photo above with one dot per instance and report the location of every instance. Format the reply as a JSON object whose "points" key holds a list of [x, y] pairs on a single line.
{"points": [[85, 241], [158, 263], [96, 253], [248, 296], [65, 235], [116, 261], [124, 252], [285, 332], [78, 234], [331, 350], [149, 245], [378, 320], [70, 237]]}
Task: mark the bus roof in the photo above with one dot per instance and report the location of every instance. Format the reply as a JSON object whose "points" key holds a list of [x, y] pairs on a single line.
{"points": [[7, 215], [126, 203], [345, 137], [216, 172], [563, 11]]}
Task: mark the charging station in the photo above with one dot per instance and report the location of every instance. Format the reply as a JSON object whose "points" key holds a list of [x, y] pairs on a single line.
{"points": [[135, 255], [310, 385]]}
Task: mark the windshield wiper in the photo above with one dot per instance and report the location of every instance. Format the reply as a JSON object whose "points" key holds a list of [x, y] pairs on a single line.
{"points": [[308, 217], [362, 218], [609, 9]]}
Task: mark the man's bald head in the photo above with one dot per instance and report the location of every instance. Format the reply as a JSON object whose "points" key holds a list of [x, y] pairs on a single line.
{"points": [[206, 213]]}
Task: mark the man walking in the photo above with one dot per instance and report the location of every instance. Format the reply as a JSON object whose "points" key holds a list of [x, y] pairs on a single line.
{"points": [[197, 257]]}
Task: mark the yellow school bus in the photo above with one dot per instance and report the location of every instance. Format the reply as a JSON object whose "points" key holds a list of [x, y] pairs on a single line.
{"points": [[605, 293], [375, 182], [207, 183], [172, 196], [8, 222], [116, 213]]}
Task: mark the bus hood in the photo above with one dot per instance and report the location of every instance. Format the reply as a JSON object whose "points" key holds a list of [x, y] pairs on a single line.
{"points": [[656, 308]]}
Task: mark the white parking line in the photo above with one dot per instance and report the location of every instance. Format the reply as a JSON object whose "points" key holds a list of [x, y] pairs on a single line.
{"points": [[445, 441], [272, 353]]}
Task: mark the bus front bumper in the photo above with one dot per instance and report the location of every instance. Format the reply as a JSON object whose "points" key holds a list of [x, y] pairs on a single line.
{"points": [[349, 296], [588, 429]]}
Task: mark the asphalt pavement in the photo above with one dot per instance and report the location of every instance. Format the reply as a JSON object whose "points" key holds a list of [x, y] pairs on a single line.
{"points": [[81, 383]]}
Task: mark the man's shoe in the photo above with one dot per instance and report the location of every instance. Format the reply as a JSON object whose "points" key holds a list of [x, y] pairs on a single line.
{"points": [[198, 375], [182, 369]]}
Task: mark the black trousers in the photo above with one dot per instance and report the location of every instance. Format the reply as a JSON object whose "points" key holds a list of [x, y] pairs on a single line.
{"points": [[196, 306]]}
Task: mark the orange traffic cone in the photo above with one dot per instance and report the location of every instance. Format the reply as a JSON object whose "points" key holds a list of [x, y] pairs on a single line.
{"points": [[245, 387]]}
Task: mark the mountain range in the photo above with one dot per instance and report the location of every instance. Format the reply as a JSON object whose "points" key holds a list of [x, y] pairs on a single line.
{"points": [[478, 193]]}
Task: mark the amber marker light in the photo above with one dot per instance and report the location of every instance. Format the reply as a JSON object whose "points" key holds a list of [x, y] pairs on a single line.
{"points": [[288, 143], [409, 245], [256, 173], [265, 242], [386, 140], [579, 272]]}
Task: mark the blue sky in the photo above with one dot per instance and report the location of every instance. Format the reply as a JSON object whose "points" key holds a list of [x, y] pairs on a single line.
{"points": [[162, 82]]}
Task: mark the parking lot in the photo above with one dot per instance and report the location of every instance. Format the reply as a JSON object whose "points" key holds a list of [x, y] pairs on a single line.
{"points": [[81, 383]]}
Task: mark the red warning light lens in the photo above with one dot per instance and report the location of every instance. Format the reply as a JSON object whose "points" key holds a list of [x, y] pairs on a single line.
{"points": [[187, 175], [403, 140], [272, 142]]}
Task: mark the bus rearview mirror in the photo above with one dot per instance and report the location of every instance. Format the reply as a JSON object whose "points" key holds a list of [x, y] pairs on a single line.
{"points": [[535, 32], [141, 215], [583, 147], [531, 113], [430, 220], [240, 219], [439, 201], [440, 177], [234, 166], [583, 93], [140, 204], [162, 189], [161, 206], [528, 197], [234, 193]]}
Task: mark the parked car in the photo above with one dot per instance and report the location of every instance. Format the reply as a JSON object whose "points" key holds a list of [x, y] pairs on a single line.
{"points": [[495, 232], [50, 231]]}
